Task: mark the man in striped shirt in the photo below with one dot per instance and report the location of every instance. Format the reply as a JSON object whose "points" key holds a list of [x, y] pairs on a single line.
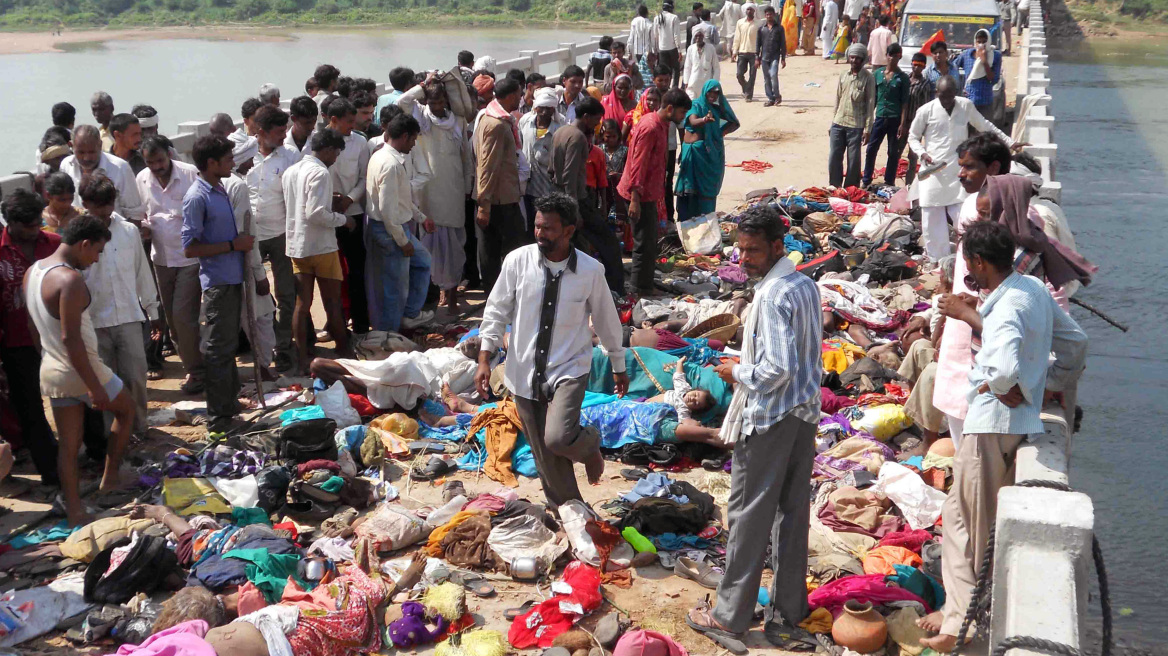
{"points": [[776, 405], [1021, 325]]}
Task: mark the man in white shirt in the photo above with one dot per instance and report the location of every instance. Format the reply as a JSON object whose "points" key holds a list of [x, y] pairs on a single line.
{"points": [[120, 286], [312, 242], [852, 9], [1023, 18], [943, 124], [348, 174], [670, 41], [269, 219], [88, 158], [878, 42], [398, 263], [641, 34], [302, 112], [728, 18], [701, 65], [162, 184], [746, 51], [548, 292]]}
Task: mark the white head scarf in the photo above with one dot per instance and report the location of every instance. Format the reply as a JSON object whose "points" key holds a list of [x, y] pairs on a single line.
{"points": [[545, 97], [485, 63]]}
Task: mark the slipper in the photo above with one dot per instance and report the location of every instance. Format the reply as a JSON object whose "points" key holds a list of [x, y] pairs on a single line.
{"points": [[633, 474], [154, 374], [511, 613], [426, 446], [434, 469], [723, 638], [474, 583]]}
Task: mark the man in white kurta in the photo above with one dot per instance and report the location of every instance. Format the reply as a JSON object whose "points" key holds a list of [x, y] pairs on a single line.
{"points": [[728, 19], [701, 65], [939, 127], [830, 22]]}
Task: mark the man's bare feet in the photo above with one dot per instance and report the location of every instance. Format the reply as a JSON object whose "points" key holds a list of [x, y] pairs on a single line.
{"points": [[940, 643], [931, 622], [267, 375], [594, 467]]}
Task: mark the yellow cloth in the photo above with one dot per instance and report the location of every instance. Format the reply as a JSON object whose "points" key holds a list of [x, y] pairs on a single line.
{"points": [[819, 621], [434, 545], [791, 26], [90, 540], [190, 496], [503, 425], [838, 355]]}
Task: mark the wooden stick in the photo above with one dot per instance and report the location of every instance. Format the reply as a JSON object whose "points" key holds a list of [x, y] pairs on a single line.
{"points": [[1099, 313]]}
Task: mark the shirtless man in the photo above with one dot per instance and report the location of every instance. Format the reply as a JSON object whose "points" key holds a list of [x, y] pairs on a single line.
{"points": [[72, 373]]}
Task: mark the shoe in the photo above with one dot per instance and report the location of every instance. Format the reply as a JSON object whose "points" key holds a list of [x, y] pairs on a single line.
{"points": [[787, 637], [702, 573], [436, 468], [769, 103], [424, 317]]}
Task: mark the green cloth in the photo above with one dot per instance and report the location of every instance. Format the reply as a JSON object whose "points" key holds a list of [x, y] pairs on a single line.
{"points": [[269, 572], [333, 484], [246, 516], [891, 93], [703, 163], [641, 381]]}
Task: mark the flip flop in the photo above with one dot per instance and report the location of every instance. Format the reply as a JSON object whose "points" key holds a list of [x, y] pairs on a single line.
{"points": [[723, 638], [474, 583], [511, 613], [633, 474]]}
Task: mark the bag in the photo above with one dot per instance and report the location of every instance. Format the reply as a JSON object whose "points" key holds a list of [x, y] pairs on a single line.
{"points": [[335, 403], [458, 95], [273, 485], [146, 568], [308, 440], [830, 262], [886, 265], [701, 234]]}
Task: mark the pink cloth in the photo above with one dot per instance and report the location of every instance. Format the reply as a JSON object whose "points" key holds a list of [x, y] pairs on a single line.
{"points": [[250, 599], [912, 540], [487, 502], [955, 357], [648, 643], [832, 403], [869, 587], [184, 639]]}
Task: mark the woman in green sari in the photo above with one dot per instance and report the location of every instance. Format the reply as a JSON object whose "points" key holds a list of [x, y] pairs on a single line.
{"points": [[703, 152]]}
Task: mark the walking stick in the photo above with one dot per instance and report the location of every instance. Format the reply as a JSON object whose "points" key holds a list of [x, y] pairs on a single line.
{"points": [[249, 289], [1099, 313]]}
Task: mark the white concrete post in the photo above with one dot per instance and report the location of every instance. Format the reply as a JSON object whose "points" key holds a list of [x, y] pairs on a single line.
{"points": [[531, 67]]}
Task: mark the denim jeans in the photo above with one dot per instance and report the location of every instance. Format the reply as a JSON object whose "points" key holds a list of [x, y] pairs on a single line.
{"points": [[403, 280], [884, 128], [841, 139], [770, 79]]}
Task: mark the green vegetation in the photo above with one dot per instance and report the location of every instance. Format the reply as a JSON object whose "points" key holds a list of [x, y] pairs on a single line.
{"points": [[1118, 13], [45, 14]]}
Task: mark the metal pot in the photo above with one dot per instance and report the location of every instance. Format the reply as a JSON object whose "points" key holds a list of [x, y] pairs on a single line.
{"points": [[525, 568]]}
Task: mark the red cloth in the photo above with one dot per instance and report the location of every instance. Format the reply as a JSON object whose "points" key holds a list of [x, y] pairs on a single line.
{"points": [[495, 110], [596, 169], [362, 405], [912, 540], [667, 341], [330, 465], [286, 526], [613, 108], [250, 599], [543, 623], [831, 403], [645, 167], [869, 587], [13, 264]]}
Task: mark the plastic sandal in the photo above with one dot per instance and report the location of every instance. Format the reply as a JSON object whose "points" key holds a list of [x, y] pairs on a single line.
{"points": [[511, 613], [722, 638], [474, 583]]}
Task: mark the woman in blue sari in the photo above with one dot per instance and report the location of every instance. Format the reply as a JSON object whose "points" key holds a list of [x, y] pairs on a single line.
{"points": [[703, 152]]}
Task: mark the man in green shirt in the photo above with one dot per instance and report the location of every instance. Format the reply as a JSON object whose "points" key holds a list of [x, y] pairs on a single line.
{"points": [[892, 85]]}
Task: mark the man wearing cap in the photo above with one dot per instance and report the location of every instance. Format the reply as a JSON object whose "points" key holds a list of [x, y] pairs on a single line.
{"points": [[855, 99]]}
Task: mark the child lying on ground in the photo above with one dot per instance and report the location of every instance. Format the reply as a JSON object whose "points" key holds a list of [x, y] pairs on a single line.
{"points": [[686, 400]]}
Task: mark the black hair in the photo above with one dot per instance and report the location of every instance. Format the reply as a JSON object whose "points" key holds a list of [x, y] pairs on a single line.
{"points": [[662, 69], [762, 220], [144, 111], [642, 11], [22, 206], [893, 49], [363, 99], [97, 188], [55, 136], [610, 124], [59, 182], [986, 148], [402, 125], [388, 113], [884, 20], [572, 71], [64, 114], [991, 241], [85, 228], [769, 9], [156, 143], [250, 107], [706, 14], [208, 148], [677, 98], [605, 42], [344, 86], [506, 87], [938, 45], [311, 86], [465, 58], [270, 116], [560, 204], [698, 5], [920, 57], [589, 106], [436, 90], [366, 84], [1029, 161], [339, 107], [303, 107], [533, 78], [325, 75], [122, 122], [327, 138], [517, 75], [401, 78]]}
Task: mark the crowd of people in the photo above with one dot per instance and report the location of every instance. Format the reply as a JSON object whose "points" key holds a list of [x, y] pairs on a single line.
{"points": [[477, 178]]}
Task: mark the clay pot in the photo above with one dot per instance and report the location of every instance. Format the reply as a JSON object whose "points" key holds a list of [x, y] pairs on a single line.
{"points": [[943, 447], [860, 628]]}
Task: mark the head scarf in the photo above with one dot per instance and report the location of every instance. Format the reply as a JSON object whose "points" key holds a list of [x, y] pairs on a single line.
{"points": [[642, 108], [148, 121], [485, 63], [53, 152], [858, 50], [613, 107], [245, 150], [1010, 205], [495, 110], [545, 97], [483, 85], [702, 165]]}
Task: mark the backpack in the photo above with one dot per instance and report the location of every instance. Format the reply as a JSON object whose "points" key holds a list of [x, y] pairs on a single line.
{"points": [[311, 439], [146, 568]]}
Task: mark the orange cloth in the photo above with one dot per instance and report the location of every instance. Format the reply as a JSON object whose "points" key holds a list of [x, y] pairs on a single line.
{"points": [[881, 560], [503, 425], [434, 545]]}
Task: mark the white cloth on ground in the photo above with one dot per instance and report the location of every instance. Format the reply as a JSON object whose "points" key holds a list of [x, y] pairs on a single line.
{"points": [[337, 549], [239, 492], [275, 622], [398, 381]]}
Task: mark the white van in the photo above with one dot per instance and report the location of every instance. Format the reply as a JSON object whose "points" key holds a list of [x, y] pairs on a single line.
{"points": [[958, 19]]}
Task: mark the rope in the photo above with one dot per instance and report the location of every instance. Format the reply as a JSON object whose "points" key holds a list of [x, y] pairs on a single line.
{"points": [[980, 599]]}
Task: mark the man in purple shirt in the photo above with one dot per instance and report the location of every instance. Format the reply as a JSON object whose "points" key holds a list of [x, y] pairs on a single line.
{"points": [[209, 234]]}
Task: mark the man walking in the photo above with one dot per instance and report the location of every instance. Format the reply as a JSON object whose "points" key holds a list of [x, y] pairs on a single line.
{"points": [[643, 183], [667, 27], [728, 18], [892, 86], [981, 66], [549, 292], [746, 52], [772, 52], [855, 99], [771, 423], [568, 163], [348, 176], [498, 221], [878, 42]]}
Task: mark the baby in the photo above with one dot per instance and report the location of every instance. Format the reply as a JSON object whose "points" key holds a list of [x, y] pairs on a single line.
{"points": [[685, 399]]}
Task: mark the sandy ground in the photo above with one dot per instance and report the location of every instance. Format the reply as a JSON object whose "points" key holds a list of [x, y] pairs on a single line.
{"points": [[33, 42], [792, 138]]}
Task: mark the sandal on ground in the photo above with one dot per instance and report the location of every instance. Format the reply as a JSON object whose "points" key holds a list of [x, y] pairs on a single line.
{"points": [[474, 583], [511, 613], [788, 637], [434, 469], [721, 637], [633, 474], [155, 374]]}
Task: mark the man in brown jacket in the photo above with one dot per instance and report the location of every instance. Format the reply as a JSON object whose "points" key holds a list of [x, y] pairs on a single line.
{"points": [[499, 223]]}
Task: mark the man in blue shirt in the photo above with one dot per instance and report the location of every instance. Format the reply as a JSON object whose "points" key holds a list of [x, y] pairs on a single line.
{"points": [[941, 66], [209, 234], [980, 80], [402, 79]]}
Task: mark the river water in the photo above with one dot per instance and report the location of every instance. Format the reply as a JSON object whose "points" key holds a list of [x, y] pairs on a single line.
{"points": [[1112, 132]]}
